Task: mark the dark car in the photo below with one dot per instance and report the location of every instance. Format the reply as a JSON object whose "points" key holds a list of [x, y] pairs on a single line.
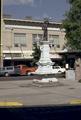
{"points": [[9, 70]]}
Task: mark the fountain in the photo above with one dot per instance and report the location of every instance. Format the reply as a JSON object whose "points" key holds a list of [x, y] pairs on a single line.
{"points": [[45, 63]]}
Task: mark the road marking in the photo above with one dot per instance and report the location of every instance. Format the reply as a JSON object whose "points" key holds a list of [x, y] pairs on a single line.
{"points": [[75, 101], [10, 104]]}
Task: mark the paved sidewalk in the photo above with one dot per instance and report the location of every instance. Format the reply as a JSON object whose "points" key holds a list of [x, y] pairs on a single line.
{"points": [[27, 94]]}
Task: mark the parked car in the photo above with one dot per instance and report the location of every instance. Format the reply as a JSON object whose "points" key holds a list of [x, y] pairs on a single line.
{"points": [[9, 70], [25, 70], [59, 69]]}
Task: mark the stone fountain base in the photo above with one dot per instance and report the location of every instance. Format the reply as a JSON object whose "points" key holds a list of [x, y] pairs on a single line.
{"points": [[46, 80]]}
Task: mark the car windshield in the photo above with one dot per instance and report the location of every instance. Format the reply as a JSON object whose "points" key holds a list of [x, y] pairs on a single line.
{"points": [[9, 68]]}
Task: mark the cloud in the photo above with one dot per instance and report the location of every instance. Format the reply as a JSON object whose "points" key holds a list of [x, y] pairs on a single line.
{"points": [[18, 2]]}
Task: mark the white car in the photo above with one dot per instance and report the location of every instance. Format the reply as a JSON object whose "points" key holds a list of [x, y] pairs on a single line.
{"points": [[58, 69]]}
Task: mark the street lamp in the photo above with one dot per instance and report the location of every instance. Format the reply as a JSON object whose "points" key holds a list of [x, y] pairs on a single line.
{"points": [[21, 49], [9, 48]]}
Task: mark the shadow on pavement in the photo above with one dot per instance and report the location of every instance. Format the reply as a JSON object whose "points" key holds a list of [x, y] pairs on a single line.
{"points": [[68, 112]]}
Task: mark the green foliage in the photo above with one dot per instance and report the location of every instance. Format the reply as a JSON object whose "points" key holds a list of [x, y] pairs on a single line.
{"points": [[72, 25], [36, 53]]}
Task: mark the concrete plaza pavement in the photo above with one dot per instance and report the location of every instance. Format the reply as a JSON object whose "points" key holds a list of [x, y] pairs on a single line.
{"points": [[19, 91]]}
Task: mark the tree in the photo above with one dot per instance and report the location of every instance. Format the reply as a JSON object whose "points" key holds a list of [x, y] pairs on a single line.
{"points": [[36, 53], [72, 25]]}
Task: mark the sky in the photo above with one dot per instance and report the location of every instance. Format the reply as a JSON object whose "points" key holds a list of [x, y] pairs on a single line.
{"points": [[38, 9]]}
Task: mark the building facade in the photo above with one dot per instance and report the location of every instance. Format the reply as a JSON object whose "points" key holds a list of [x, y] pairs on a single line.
{"points": [[19, 36]]}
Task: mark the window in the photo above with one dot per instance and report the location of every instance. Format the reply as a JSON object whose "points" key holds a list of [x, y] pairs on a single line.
{"points": [[9, 68], [54, 40], [3, 68], [19, 39], [37, 38]]}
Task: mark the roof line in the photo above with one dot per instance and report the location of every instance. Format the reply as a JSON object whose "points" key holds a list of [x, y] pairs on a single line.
{"points": [[31, 20]]}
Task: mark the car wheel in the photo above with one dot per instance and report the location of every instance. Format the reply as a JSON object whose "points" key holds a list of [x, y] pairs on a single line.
{"points": [[28, 73], [6, 74]]}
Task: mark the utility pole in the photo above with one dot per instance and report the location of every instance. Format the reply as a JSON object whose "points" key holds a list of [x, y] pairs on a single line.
{"points": [[1, 33]]}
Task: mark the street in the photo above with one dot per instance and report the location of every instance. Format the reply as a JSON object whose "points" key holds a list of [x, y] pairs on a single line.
{"points": [[28, 94]]}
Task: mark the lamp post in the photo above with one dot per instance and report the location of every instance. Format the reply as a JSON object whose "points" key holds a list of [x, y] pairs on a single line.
{"points": [[21, 50], [9, 48]]}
